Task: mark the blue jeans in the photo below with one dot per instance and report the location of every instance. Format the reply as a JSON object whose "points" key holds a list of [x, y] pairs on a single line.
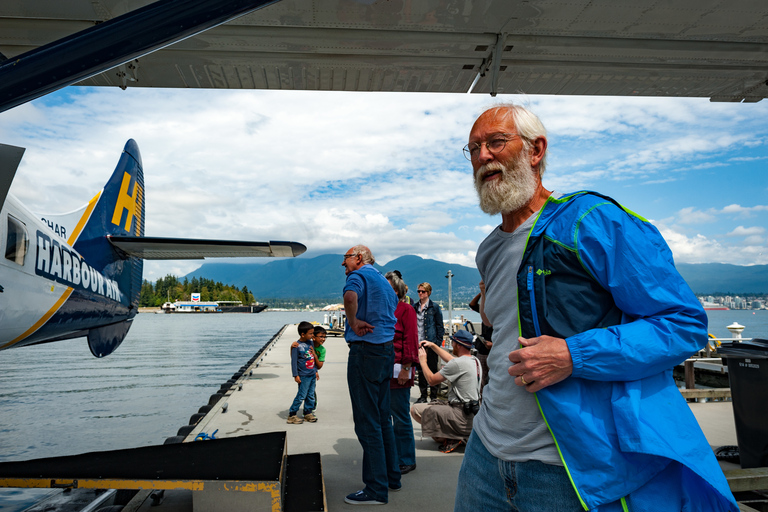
{"points": [[400, 407], [306, 394], [493, 485], [369, 369]]}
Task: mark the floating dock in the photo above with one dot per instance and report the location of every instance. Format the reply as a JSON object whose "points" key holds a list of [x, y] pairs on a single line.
{"points": [[267, 464]]}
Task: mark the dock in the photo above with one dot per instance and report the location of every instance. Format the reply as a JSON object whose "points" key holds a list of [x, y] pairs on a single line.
{"points": [[254, 405], [262, 406]]}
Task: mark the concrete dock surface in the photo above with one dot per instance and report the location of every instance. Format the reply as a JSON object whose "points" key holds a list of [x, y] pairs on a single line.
{"points": [[262, 406], [267, 393]]}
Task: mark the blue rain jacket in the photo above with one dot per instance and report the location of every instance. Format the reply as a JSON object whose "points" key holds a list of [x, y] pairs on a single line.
{"points": [[603, 279]]}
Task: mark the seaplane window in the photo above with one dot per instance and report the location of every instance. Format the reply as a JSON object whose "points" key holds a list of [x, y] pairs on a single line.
{"points": [[17, 241]]}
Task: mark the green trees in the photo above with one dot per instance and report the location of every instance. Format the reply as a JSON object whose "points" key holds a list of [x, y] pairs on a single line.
{"points": [[170, 289]]}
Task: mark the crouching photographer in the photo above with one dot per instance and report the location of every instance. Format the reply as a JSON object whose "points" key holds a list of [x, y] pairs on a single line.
{"points": [[450, 422]]}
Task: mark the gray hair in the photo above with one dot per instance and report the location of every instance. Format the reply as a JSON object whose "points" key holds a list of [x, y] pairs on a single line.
{"points": [[365, 253], [397, 284], [528, 126]]}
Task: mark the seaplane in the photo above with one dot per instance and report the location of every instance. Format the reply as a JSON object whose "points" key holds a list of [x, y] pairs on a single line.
{"points": [[79, 274]]}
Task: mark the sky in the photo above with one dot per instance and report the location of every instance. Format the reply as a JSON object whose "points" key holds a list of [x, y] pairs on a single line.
{"points": [[334, 169]]}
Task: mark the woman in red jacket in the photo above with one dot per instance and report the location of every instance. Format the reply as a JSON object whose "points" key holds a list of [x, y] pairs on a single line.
{"points": [[406, 344]]}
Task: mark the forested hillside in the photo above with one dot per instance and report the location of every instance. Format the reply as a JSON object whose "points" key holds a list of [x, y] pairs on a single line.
{"points": [[170, 288]]}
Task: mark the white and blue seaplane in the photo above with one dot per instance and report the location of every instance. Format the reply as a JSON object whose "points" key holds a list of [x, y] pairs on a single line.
{"points": [[79, 274]]}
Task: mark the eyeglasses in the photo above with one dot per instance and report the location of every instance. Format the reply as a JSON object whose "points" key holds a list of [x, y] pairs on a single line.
{"points": [[494, 145], [349, 256], [421, 291]]}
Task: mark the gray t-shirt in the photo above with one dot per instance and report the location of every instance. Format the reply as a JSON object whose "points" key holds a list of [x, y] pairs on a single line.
{"points": [[509, 422], [462, 373]]}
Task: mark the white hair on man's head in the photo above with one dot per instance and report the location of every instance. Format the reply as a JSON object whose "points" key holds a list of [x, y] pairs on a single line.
{"points": [[528, 126], [366, 254]]}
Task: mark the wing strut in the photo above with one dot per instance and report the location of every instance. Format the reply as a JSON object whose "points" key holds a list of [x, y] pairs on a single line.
{"points": [[492, 63]]}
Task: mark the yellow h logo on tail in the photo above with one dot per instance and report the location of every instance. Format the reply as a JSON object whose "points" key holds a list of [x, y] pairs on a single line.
{"points": [[132, 203]]}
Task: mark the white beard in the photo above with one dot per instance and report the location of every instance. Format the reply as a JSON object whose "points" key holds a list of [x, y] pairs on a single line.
{"points": [[512, 190]]}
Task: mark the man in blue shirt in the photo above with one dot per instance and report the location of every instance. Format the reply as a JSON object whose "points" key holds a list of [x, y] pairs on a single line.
{"points": [[369, 303]]}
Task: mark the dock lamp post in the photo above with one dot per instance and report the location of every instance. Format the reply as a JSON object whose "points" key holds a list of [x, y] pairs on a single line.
{"points": [[450, 304]]}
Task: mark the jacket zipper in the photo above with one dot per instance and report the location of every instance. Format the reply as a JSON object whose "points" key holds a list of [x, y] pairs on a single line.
{"points": [[532, 297], [537, 329]]}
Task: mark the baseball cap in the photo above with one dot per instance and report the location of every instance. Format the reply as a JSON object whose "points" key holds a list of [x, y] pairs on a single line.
{"points": [[463, 338]]}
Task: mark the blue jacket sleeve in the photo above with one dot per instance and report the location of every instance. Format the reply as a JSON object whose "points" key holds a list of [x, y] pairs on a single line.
{"points": [[439, 327], [295, 361], [663, 323]]}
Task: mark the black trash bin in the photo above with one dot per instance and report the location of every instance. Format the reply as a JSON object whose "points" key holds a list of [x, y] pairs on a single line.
{"points": [[748, 375]]}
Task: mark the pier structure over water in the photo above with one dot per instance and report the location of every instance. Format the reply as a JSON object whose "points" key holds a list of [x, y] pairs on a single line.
{"points": [[266, 464]]}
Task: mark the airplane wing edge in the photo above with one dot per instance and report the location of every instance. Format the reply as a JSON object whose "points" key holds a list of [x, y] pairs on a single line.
{"points": [[160, 248]]}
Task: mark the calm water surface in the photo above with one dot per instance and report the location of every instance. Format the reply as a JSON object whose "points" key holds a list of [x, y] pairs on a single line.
{"points": [[57, 399]]}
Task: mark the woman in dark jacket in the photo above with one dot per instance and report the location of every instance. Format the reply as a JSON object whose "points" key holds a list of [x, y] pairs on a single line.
{"points": [[431, 328]]}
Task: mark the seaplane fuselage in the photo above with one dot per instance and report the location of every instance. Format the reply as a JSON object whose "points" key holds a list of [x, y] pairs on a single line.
{"points": [[80, 273]]}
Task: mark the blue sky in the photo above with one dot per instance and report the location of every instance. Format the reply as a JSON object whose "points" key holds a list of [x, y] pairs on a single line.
{"points": [[332, 169]]}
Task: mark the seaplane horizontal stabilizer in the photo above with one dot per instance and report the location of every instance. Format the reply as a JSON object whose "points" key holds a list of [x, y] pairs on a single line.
{"points": [[157, 248]]}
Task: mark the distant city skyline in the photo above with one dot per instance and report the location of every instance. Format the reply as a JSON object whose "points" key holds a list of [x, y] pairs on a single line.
{"points": [[332, 169]]}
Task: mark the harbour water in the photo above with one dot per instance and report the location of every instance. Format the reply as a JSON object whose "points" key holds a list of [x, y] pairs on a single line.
{"points": [[57, 399]]}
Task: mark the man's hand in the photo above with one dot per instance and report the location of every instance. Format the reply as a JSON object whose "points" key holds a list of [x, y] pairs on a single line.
{"points": [[422, 354], [297, 379], [360, 327], [426, 344], [541, 362]]}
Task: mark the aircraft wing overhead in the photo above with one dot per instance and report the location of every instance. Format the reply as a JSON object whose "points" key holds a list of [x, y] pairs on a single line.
{"points": [[155, 248], [10, 157], [715, 48]]}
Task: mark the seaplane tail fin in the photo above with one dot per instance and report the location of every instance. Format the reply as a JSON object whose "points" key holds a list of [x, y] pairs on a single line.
{"points": [[117, 210], [10, 157]]}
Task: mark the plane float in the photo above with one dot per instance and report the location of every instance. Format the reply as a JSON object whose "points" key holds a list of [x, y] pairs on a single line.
{"points": [[79, 274]]}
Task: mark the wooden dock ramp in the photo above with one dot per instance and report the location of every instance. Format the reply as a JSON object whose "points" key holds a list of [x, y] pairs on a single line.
{"points": [[250, 472]]}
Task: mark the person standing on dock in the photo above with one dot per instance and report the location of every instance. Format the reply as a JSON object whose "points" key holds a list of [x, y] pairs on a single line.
{"points": [[305, 374], [431, 328], [587, 305], [370, 303], [406, 345], [484, 342]]}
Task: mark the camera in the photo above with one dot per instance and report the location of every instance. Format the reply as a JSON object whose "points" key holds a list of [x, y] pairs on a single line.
{"points": [[471, 407]]}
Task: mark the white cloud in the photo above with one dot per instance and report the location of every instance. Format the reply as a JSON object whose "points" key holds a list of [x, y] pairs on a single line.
{"points": [[486, 228], [334, 169], [691, 215], [700, 249], [742, 231], [744, 211]]}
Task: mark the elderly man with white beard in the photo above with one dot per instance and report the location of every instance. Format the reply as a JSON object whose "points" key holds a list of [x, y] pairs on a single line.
{"points": [[587, 306]]}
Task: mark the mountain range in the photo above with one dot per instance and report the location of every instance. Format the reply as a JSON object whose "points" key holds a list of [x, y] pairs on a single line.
{"points": [[322, 277]]}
